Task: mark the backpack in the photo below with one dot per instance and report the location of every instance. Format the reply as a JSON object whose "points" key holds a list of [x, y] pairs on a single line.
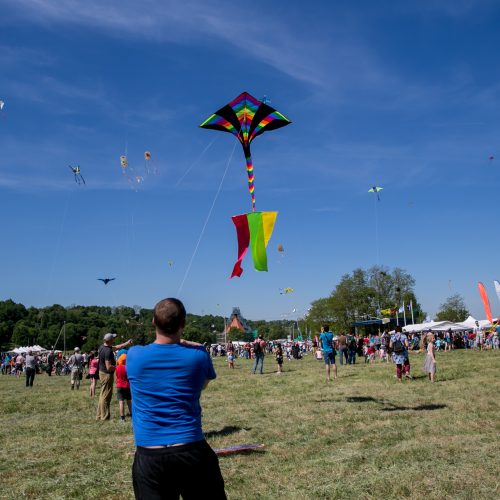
{"points": [[398, 346], [257, 349]]}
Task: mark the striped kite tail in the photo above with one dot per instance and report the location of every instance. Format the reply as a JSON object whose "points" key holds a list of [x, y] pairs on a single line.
{"points": [[251, 185]]}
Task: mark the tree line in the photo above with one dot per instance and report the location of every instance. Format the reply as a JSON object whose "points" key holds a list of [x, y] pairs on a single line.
{"points": [[360, 295]]}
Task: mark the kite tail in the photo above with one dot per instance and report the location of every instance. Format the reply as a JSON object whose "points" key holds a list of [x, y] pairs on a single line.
{"points": [[251, 186]]}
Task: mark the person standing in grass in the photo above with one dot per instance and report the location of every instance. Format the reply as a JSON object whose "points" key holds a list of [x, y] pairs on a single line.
{"points": [[107, 364], [76, 364], [258, 350], [93, 372], [172, 457], [230, 355], [279, 358], [430, 358], [326, 340], [342, 342], [399, 346], [123, 387], [30, 365]]}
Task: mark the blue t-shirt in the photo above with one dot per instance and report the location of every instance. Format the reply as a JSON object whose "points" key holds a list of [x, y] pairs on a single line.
{"points": [[166, 382], [326, 341]]}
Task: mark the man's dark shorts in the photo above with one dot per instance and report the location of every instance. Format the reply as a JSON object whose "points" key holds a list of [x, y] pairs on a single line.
{"points": [[191, 470], [329, 357]]}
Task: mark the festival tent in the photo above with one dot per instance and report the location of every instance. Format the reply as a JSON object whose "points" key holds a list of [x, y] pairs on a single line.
{"points": [[470, 323], [34, 348], [436, 326]]}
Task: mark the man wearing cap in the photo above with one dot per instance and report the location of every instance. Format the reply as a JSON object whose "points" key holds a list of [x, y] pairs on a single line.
{"points": [[76, 364], [107, 365], [172, 458]]}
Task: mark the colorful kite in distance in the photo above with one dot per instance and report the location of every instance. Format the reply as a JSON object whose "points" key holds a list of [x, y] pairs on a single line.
{"points": [[486, 302], [105, 280], [78, 174], [375, 189], [280, 248], [2, 104], [246, 118], [284, 291]]}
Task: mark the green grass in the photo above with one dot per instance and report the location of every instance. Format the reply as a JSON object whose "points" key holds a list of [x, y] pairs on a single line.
{"points": [[362, 436]]}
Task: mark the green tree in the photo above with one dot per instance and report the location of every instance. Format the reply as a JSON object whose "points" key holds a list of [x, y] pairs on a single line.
{"points": [[235, 334], [10, 314], [453, 309]]}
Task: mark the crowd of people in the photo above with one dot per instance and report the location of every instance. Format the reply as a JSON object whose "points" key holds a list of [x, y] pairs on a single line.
{"points": [[165, 379]]}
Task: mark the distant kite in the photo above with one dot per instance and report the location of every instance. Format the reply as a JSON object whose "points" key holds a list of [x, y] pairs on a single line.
{"points": [[2, 104], [491, 158], [280, 248], [170, 263], [78, 174], [375, 189], [106, 280], [246, 118], [284, 291]]}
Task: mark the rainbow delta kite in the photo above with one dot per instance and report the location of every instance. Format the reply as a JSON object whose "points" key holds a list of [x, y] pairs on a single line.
{"points": [[246, 117]]}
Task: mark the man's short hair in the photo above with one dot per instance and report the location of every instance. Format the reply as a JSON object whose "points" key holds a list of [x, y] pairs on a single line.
{"points": [[169, 316], [326, 328]]}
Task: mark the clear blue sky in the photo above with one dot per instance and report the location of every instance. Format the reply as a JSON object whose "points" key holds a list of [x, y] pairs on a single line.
{"points": [[404, 95]]}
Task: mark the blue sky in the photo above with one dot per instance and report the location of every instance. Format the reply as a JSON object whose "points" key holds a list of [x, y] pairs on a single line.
{"points": [[404, 95]]}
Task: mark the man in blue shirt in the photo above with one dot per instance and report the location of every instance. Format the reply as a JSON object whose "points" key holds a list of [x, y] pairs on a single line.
{"points": [[166, 378], [326, 341]]}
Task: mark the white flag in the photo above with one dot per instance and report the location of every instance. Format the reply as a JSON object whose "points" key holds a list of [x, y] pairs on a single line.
{"points": [[497, 288]]}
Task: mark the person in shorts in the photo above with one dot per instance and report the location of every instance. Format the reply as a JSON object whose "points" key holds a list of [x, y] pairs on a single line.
{"points": [[123, 387], [326, 340], [278, 352]]}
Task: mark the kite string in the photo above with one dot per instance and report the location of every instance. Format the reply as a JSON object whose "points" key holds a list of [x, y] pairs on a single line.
{"points": [[57, 250], [207, 147], [207, 219], [376, 232]]}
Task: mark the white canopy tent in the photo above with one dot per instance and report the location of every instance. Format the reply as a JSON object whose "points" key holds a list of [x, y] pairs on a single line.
{"points": [[34, 348], [470, 323], [436, 326]]}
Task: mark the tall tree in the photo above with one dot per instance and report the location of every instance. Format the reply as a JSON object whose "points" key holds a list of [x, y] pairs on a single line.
{"points": [[453, 309]]}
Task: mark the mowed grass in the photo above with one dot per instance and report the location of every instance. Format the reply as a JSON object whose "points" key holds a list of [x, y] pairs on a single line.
{"points": [[362, 436]]}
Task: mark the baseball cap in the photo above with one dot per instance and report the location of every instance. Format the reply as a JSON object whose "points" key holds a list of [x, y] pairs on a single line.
{"points": [[109, 336]]}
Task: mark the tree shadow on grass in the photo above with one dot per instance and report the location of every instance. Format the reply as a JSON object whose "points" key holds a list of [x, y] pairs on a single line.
{"points": [[388, 406], [225, 431]]}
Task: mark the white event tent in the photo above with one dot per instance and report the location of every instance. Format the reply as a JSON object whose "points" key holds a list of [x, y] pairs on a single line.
{"points": [[470, 323], [34, 348], [436, 326]]}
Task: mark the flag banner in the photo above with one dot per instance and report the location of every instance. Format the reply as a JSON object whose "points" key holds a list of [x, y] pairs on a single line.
{"points": [[253, 230], [486, 302]]}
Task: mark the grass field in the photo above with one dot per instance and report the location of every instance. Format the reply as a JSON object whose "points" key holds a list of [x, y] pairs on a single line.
{"points": [[362, 436]]}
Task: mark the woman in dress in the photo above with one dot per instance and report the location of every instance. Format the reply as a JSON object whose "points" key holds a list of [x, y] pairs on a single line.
{"points": [[430, 358]]}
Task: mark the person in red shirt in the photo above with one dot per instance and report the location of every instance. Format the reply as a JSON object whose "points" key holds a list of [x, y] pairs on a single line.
{"points": [[123, 387]]}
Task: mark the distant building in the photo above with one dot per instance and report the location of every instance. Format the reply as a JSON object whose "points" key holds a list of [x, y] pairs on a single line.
{"points": [[236, 320]]}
